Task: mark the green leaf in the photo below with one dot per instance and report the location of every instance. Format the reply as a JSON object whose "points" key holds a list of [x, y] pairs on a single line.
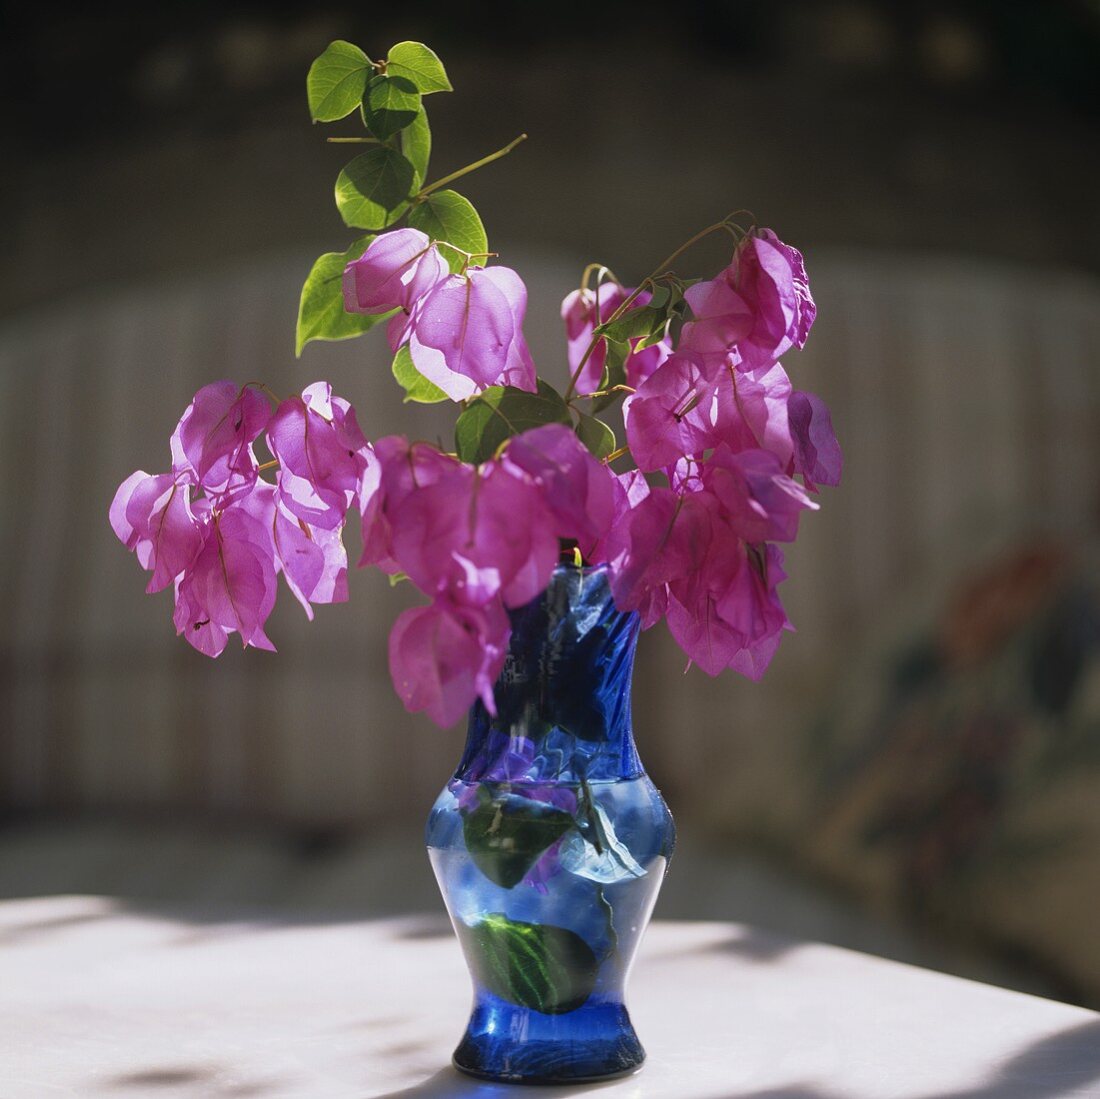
{"points": [[594, 851], [447, 216], [506, 834], [336, 81], [416, 143], [501, 412], [321, 313], [538, 966], [614, 372], [373, 190], [417, 387], [634, 323], [595, 435], [391, 104], [415, 62]]}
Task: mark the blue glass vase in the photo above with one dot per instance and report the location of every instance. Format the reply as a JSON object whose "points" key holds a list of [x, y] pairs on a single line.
{"points": [[550, 844]]}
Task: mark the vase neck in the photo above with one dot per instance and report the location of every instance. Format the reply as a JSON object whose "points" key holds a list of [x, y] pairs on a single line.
{"points": [[563, 697]]}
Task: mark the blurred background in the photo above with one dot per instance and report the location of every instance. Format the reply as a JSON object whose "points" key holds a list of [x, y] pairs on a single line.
{"points": [[918, 775]]}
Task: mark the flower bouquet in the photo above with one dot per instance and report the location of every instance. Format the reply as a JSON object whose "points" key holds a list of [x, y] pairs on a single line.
{"points": [[653, 479]]}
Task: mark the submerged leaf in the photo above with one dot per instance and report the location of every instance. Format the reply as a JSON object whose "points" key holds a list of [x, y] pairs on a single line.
{"points": [[595, 852], [505, 835], [538, 966]]}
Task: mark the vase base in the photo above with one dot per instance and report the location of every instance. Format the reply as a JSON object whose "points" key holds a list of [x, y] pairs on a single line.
{"points": [[509, 1044], [548, 1062], [553, 1076]]}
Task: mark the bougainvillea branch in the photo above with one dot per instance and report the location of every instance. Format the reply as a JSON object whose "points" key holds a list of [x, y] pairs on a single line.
{"points": [[724, 454]]}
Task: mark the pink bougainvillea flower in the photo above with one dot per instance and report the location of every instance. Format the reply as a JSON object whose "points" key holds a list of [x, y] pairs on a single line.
{"points": [[774, 274], [393, 469], [816, 451], [771, 277], [475, 534], [213, 440], [660, 540], [672, 414], [230, 587], [312, 560], [756, 309], [397, 268], [581, 492], [721, 318], [582, 310], [727, 613], [762, 504], [466, 334], [686, 408], [319, 446], [152, 516], [443, 657]]}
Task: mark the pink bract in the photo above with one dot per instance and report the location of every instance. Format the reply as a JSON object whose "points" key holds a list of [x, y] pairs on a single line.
{"points": [[397, 269], [817, 453], [152, 516], [466, 334], [443, 657], [213, 440], [582, 494], [229, 588], [319, 446], [474, 535]]}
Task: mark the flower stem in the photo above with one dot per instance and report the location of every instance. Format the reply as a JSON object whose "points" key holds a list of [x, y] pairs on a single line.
{"points": [[354, 141], [470, 168]]}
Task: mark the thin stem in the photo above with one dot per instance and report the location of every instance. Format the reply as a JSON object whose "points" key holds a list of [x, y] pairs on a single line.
{"points": [[471, 167], [273, 464], [601, 270], [609, 391], [616, 454], [354, 141]]}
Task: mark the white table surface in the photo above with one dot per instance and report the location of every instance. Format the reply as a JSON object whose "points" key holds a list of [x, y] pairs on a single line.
{"points": [[97, 999]]}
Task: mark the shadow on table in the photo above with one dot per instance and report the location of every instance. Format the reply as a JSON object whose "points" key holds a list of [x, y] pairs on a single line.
{"points": [[448, 1083], [1058, 1065]]}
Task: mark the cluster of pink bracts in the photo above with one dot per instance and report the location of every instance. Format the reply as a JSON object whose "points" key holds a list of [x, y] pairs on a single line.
{"points": [[716, 415]]}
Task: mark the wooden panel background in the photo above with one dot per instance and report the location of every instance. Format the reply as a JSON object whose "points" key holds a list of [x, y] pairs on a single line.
{"points": [[965, 395]]}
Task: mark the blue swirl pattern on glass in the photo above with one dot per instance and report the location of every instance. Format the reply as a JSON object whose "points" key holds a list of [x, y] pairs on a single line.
{"points": [[550, 844]]}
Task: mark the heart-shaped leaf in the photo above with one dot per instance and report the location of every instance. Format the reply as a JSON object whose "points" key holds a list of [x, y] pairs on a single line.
{"points": [[501, 412], [416, 143], [595, 435], [336, 81], [506, 834], [391, 103], [415, 62], [447, 216], [538, 966], [373, 190]]}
